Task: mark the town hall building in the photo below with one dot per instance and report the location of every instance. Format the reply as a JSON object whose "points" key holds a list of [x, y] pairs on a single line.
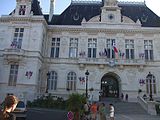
{"points": [[98, 48]]}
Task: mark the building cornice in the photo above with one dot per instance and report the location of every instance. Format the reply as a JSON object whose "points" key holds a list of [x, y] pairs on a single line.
{"points": [[20, 54], [79, 29], [37, 19]]}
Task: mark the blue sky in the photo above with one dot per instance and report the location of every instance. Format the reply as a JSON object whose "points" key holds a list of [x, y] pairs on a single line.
{"points": [[6, 6]]}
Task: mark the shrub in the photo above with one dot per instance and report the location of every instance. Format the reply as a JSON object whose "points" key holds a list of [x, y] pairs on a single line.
{"points": [[75, 102], [48, 102]]}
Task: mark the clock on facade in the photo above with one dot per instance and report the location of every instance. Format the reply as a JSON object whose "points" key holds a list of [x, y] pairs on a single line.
{"points": [[111, 16]]}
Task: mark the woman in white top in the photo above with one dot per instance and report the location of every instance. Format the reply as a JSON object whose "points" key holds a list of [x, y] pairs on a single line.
{"points": [[111, 110]]}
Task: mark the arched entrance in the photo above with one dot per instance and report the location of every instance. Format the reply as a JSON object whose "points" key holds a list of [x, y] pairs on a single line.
{"points": [[110, 86]]}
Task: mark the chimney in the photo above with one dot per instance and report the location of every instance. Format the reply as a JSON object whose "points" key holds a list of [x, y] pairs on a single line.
{"points": [[51, 10]]}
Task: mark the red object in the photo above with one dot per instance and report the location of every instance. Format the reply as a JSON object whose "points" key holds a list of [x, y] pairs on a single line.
{"points": [[115, 49], [70, 115]]}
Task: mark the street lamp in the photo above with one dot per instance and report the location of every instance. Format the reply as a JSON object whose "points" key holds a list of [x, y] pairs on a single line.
{"points": [[87, 74], [48, 74], [150, 78]]}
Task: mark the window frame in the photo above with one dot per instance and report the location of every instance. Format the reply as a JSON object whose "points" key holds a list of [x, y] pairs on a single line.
{"points": [[71, 81], [13, 75], [18, 38], [55, 47], [92, 47], [22, 9], [129, 49], [109, 45], [73, 48], [148, 50], [52, 81]]}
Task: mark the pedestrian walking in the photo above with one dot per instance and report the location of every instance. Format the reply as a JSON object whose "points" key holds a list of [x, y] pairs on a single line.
{"points": [[86, 110], [93, 110], [126, 97], [122, 96], [102, 111], [10, 104], [111, 110]]}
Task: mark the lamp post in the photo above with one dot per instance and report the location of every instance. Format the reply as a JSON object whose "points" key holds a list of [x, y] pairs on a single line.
{"points": [[48, 74], [87, 74], [150, 78]]}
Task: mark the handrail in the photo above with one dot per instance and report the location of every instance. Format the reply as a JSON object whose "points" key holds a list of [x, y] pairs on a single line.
{"points": [[143, 103]]}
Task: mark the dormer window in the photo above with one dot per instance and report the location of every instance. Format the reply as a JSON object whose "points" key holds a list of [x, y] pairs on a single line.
{"points": [[22, 9]]}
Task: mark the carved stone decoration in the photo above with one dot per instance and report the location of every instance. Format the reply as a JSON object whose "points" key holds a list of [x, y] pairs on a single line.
{"points": [[144, 18], [95, 19], [76, 16], [127, 20], [121, 67], [110, 2], [141, 68], [131, 74], [81, 66], [101, 66]]}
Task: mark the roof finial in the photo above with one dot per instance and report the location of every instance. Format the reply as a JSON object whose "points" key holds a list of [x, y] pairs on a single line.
{"points": [[51, 12]]}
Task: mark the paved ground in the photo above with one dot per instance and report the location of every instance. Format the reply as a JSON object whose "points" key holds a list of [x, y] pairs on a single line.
{"points": [[123, 111], [135, 117], [129, 111]]}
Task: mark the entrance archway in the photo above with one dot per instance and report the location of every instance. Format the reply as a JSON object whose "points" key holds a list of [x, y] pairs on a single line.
{"points": [[110, 86]]}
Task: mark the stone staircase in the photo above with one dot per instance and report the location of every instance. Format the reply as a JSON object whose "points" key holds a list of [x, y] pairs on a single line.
{"points": [[123, 107]]}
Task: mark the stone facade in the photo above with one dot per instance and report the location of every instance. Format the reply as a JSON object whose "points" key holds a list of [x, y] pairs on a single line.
{"points": [[34, 57]]}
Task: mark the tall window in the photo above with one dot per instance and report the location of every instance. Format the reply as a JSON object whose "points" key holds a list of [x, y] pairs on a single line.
{"points": [[148, 49], [150, 84], [129, 46], [71, 81], [22, 9], [18, 37], [92, 47], [13, 75], [55, 46], [52, 82], [110, 51], [73, 47]]}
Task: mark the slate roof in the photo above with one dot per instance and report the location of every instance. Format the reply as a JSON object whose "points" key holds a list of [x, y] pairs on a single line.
{"points": [[36, 8], [74, 14]]}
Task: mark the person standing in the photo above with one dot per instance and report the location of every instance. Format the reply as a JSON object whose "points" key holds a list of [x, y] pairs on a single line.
{"points": [[86, 110], [10, 104], [93, 110], [126, 97], [102, 111], [122, 96], [111, 110]]}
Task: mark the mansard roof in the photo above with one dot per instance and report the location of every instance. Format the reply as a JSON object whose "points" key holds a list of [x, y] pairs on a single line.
{"points": [[36, 8], [74, 14]]}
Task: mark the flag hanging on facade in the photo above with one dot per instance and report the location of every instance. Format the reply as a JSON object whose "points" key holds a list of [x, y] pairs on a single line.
{"points": [[105, 51], [115, 49]]}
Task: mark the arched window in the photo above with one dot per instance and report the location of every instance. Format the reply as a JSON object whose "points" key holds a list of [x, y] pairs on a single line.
{"points": [[71, 81], [52, 81], [151, 84]]}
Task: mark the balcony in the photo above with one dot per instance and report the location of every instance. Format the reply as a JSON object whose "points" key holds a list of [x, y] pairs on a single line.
{"points": [[111, 61], [98, 61], [13, 54]]}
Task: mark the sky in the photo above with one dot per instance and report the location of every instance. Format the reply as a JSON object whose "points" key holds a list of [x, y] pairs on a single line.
{"points": [[6, 6]]}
